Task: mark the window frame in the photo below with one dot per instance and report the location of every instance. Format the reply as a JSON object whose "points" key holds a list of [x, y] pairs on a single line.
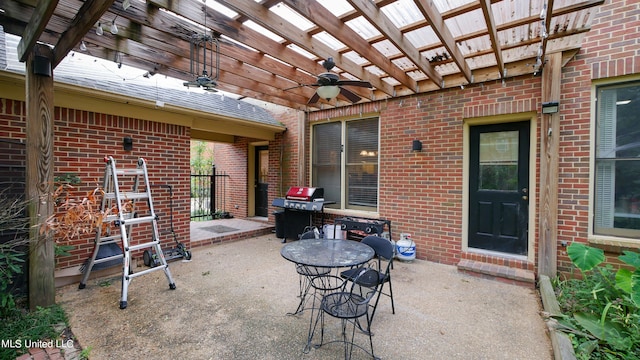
{"points": [[616, 236], [344, 186]]}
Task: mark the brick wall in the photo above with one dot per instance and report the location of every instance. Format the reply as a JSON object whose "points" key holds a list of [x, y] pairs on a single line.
{"points": [[286, 154], [609, 51], [283, 160], [83, 139], [232, 160], [422, 193]]}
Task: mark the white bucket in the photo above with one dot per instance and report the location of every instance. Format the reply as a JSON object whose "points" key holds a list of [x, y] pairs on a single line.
{"points": [[405, 248], [332, 232]]}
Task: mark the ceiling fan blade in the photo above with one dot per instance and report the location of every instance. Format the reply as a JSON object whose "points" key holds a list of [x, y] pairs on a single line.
{"points": [[349, 95], [299, 86], [355, 83], [314, 99]]}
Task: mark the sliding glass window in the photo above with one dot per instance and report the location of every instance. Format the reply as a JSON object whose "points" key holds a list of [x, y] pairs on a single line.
{"points": [[345, 163]]}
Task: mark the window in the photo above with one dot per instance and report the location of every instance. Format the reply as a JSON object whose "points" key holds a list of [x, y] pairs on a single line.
{"points": [[617, 163], [349, 178], [498, 168]]}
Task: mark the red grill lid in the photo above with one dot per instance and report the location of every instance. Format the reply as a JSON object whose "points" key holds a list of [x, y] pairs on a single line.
{"points": [[302, 193]]}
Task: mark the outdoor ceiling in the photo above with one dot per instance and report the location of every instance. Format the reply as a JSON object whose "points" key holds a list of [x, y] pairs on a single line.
{"points": [[269, 47]]}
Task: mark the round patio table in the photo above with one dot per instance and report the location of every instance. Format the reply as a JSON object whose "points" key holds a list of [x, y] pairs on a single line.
{"points": [[313, 254], [327, 253]]}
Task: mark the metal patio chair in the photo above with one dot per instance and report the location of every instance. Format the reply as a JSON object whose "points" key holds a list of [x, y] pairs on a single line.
{"points": [[350, 304], [383, 259]]}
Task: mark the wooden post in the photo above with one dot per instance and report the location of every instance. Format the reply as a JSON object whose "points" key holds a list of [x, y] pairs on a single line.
{"points": [[549, 156], [39, 174]]}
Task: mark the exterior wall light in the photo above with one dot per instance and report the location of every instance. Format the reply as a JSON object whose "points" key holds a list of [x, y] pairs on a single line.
{"points": [[42, 66], [127, 143], [416, 146], [550, 107]]}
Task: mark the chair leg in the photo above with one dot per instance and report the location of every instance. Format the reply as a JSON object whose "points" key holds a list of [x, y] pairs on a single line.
{"points": [[313, 324], [393, 307], [348, 345], [317, 295], [370, 336], [375, 304]]}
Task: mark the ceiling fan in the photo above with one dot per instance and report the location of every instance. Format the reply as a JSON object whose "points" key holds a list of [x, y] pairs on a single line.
{"points": [[329, 85], [203, 46], [203, 81]]}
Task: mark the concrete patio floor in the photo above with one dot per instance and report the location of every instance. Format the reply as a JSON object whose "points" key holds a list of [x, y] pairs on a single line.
{"points": [[232, 298]]}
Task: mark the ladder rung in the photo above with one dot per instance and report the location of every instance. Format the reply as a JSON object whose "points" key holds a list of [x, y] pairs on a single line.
{"points": [[108, 258], [128, 195], [110, 239], [146, 271], [115, 217], [143, 246], [129, 172], [139, 220]]}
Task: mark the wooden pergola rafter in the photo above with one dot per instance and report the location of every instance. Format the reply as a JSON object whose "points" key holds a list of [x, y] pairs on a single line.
{"points": [[154, 36]]}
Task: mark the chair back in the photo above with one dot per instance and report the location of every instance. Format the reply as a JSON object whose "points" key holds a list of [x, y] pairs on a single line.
{"points": [[382, 247], [364, 285]]}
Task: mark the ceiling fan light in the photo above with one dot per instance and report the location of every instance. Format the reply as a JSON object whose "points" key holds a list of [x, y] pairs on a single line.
{"points": [[328, 92]]}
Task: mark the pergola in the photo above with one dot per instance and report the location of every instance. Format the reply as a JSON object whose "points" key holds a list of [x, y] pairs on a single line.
{"points": [[269, 48]]}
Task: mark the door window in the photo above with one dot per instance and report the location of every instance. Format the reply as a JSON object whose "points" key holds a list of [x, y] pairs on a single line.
{"points": [[498, 161]]}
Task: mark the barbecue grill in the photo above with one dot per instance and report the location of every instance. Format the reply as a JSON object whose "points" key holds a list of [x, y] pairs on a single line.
{"points": [[299, 204], [363, 226]]}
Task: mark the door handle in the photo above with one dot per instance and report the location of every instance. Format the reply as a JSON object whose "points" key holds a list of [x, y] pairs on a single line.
{"points": [[525, 191]]}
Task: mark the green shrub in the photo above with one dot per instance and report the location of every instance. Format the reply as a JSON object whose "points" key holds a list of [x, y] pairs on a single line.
{"points": [[21, 327], [602, 314]]}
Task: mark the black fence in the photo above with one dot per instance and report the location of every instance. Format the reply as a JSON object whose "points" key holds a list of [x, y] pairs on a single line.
{"points": [[209, 195]]}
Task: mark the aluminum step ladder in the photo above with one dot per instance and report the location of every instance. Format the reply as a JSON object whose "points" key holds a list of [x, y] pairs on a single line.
{"points": [[121, 209]]}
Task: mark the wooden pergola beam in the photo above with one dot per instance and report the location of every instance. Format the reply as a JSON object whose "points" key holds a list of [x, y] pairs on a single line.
{"points": [[493, 35], [322, 17], [378, 19], [39, 20], [271, 21], [431, 13], [88, 14], [549, 160]]}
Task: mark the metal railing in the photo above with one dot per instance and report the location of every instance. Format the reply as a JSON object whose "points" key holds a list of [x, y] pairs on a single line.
{"points": [[209, 195]]}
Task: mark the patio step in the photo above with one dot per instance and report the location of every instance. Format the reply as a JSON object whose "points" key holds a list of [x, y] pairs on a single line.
{"points": [[498, 272], [242, 229]]}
